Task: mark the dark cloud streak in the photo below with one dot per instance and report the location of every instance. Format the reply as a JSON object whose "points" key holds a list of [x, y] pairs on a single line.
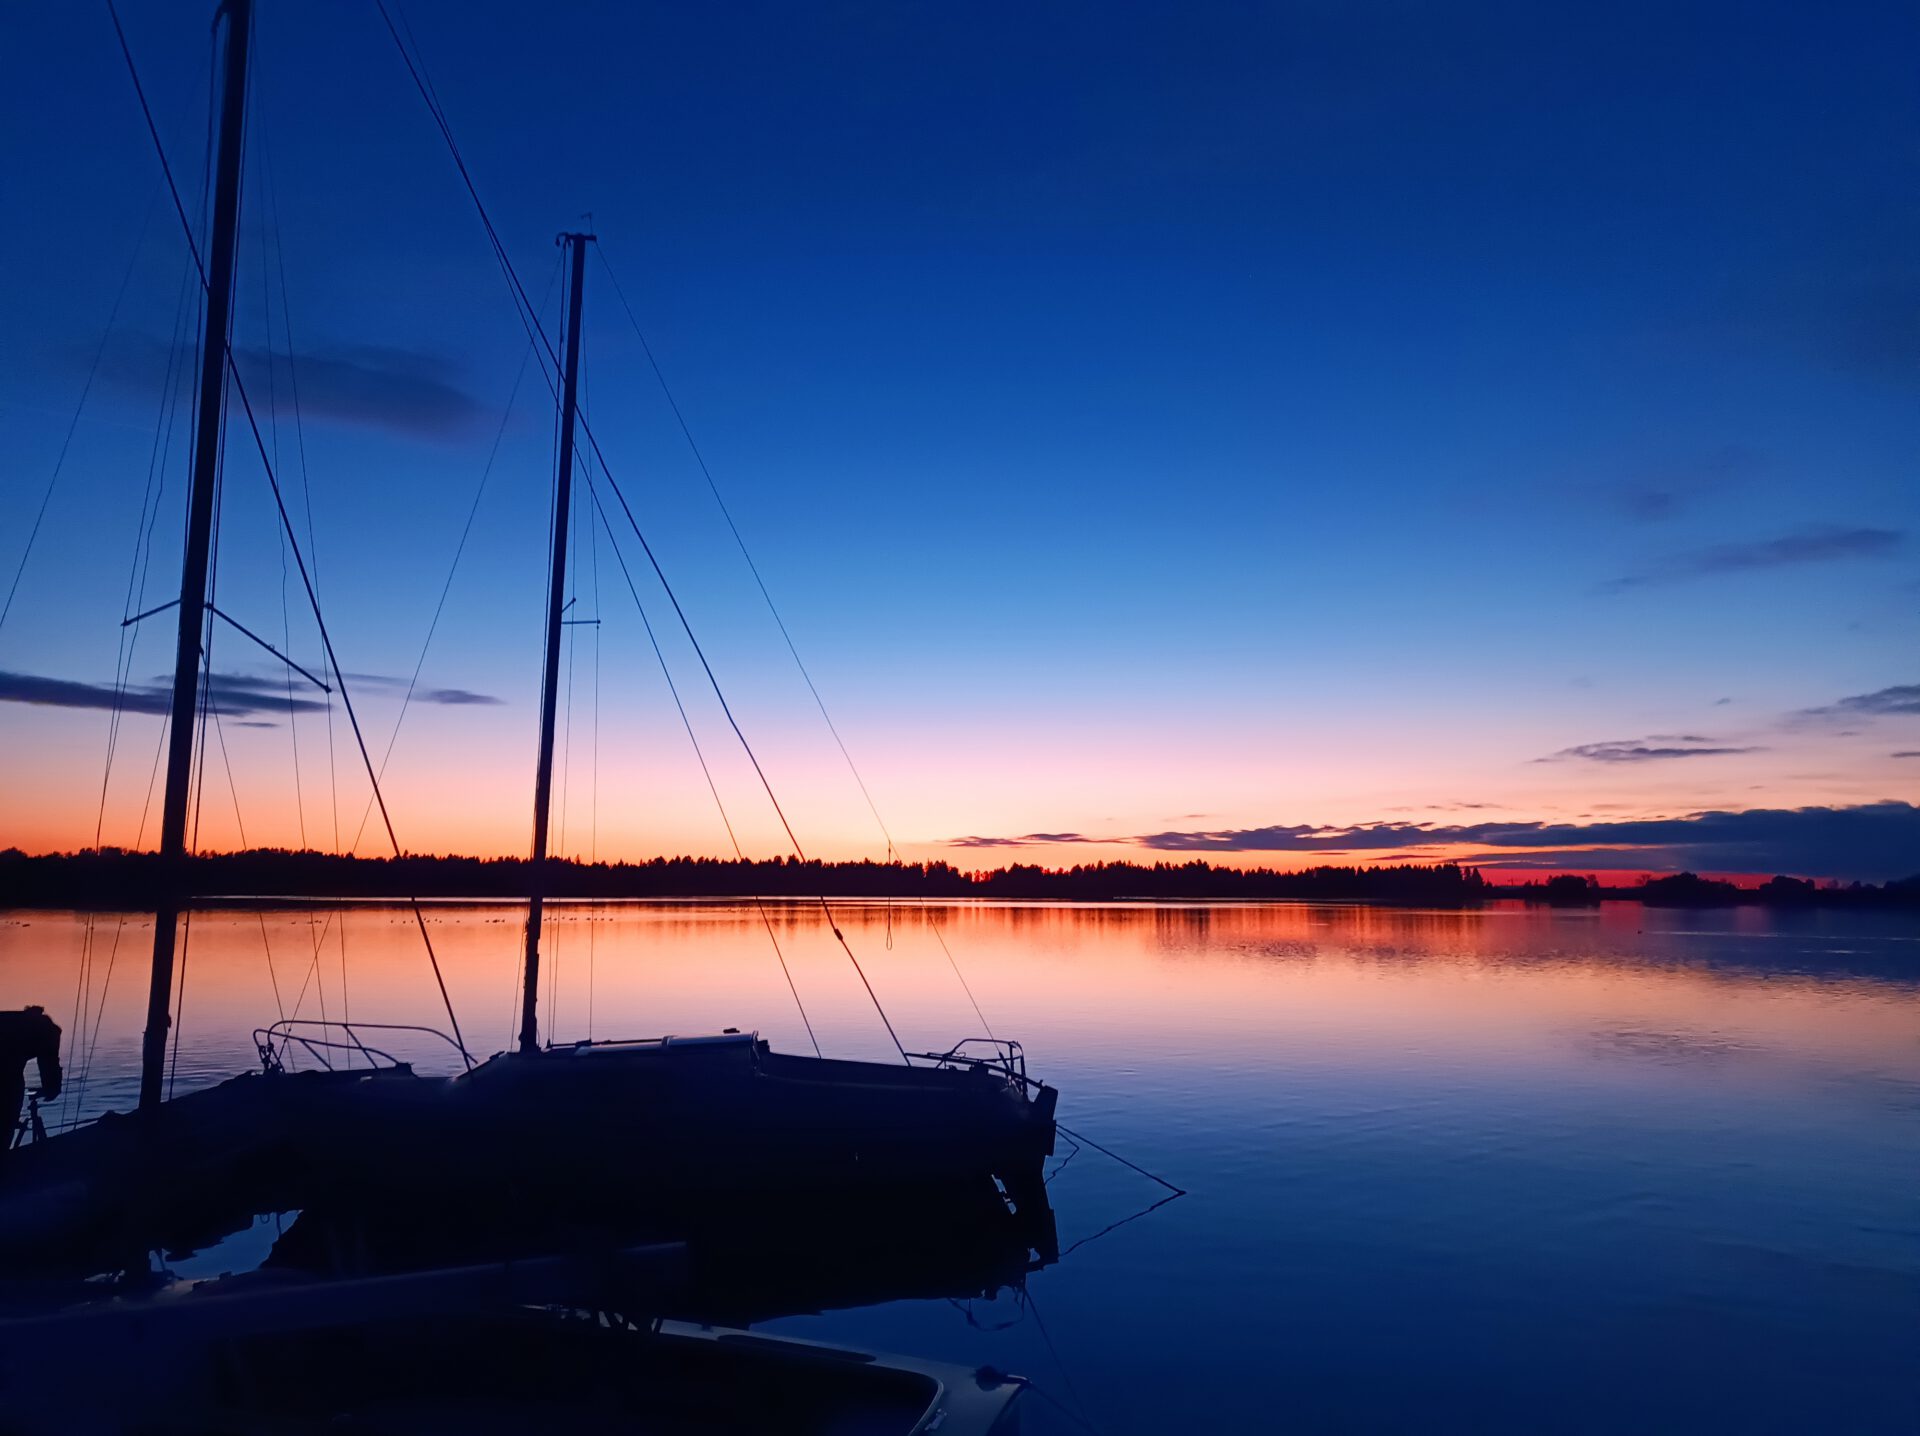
{"points": [[402, 391], [1870, 840], [234, 695], [1820, 544], [1900, 698], [1031, 840], [1658, 747]]}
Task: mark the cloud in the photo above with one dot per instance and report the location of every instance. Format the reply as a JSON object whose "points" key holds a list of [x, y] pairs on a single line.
{"points": [[1657, 747], [449, 697], [1901, 698], [1865, 321], [62, 693], [233, 695], [403, 391], [1870, 840], [1817, 544], [1646, 504], [454, 697], [1676, 487], [1906, 753], [1029, 840]]}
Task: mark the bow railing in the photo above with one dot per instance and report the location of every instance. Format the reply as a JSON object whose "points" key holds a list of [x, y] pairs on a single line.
{"points": [[991, 1054], [274, 1043]]}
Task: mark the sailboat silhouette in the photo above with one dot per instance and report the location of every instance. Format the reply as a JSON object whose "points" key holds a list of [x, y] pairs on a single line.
{"points": [[668, 1126]]}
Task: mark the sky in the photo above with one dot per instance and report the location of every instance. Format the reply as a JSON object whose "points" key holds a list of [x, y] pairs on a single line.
{"points": [[1272, 434]]}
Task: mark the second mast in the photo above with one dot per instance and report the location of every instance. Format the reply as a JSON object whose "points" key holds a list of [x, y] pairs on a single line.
{"points": [[550, 677]]}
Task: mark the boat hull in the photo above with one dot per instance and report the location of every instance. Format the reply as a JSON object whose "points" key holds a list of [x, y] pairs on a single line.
{"points": [[657, 1137]]}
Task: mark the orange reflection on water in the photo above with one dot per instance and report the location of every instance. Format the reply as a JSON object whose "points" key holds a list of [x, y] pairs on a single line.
{"points": [[1112, 986]]}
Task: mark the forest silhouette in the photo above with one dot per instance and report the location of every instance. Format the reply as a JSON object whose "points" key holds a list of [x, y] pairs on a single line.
{"points": [[115, 878]]}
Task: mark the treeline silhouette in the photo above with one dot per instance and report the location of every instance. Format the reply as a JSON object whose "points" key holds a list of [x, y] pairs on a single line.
{"points": [[1692, 890], [114, 878]]}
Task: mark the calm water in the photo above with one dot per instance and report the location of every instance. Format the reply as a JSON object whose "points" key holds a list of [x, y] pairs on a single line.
{"points": [[1498, 1171]]}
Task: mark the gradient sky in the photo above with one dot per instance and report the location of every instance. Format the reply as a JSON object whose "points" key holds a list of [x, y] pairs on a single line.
{"points": [[1244, 431]]}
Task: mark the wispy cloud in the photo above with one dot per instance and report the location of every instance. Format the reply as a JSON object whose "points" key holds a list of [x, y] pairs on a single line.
{"points": [[233, 695], [63, 693], [1900, 698], [1862, 318], [1646, 504], [403, 390], [400, 390], [1906, 753], [1674, 488], [1656, 748], [387, 683], [1818, 544], [1030, 840]]}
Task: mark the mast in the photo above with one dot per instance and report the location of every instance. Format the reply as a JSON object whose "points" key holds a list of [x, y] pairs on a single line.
{"points": [[550, 683], [193, 576]]}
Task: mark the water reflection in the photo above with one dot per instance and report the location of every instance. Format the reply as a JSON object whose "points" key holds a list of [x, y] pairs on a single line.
{"points": [[1451, 1170]]}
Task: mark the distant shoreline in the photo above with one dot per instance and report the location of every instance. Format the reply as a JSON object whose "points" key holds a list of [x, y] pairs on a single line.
{"points": [[114, 880]]}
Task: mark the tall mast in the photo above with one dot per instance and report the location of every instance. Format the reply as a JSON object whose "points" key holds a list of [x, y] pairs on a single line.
{"points": [[550, 683], [193, 576]]}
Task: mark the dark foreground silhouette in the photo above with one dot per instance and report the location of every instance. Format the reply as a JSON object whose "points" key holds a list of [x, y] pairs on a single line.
{"points": [[112, 878]]}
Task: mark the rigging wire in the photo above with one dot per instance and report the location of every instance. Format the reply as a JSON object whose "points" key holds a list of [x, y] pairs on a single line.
{"points": [[746, 747], [1130, 1166], [705, 772], [453, 568], [79, 408], [1033, 1387], [140, 565], [1147, 1210], [269, 243], [1066, 1376], [274, 265], [199, 761], [270, 237], [199, 771], [313, 550], [233, 789], [759, 582], [306, 578], [530, 320], [131, 601], [741, 543], [593, 823], [734, 723], [346, 701]]}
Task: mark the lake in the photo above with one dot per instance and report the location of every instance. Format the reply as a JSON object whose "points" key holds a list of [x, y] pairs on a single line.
{"points": [[1501, 1170]]}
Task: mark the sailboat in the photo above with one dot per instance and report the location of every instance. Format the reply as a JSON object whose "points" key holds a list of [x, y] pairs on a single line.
{"points": [[670, 1127], [691, 1119]]}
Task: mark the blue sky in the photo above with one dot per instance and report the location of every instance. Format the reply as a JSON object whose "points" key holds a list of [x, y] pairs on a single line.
{"points": [[1308, 415]]}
